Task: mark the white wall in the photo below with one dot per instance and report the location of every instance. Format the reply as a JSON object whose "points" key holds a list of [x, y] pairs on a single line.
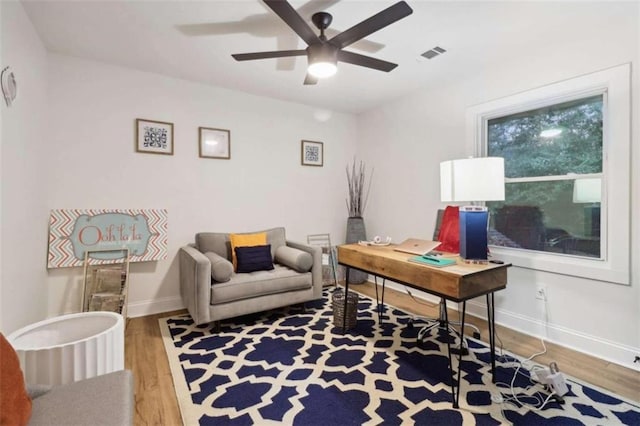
{"points": [[91, 163], [24, 286], [406, 141]]}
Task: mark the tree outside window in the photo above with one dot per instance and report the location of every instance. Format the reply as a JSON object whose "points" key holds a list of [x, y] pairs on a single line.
{"points": [[554, 170]]}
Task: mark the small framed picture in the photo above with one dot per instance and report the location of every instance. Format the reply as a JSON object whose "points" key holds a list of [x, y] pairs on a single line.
{"points": [[215, 143], [154, 137], [312, 153]]}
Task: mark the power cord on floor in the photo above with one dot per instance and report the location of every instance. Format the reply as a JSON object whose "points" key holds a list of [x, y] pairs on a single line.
{"points": [[540, 400]]}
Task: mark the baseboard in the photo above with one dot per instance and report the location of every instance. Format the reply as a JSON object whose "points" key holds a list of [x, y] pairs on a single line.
{"points": [[575, 340], [154, 306]]}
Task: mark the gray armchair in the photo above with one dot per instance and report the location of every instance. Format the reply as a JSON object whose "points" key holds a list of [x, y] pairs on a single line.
{"points": [[212, 291]]}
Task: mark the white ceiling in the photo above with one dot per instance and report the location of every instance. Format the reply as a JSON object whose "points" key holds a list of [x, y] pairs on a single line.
{"points": [[194, 40]]}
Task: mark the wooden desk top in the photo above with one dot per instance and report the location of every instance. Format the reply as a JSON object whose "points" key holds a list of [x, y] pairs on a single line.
{"points": [[457, 282]]}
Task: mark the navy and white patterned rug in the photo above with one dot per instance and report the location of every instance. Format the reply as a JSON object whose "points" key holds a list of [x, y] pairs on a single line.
{"points": [[292, 367]]}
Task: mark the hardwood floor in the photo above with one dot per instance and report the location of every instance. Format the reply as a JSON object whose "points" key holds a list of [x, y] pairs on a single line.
{"points": [[156, 402], [155, 398]]}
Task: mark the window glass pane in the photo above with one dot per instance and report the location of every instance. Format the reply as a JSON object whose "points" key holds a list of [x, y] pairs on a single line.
{"points": [[550, 141], [546, 216]]}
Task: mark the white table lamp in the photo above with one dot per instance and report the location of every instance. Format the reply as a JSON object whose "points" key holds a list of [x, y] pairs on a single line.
{"points": [[469, 180]]}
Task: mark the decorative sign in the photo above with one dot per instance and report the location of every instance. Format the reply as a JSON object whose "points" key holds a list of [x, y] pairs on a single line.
{"points": [[73, 232]]}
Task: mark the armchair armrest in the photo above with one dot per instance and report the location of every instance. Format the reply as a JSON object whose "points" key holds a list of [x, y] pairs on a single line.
{"points": [[316, 269], [195, 283]]}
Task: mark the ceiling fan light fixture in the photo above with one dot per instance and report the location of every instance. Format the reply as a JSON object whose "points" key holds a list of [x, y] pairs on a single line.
{"points": [[322, 69], [323, 60]]}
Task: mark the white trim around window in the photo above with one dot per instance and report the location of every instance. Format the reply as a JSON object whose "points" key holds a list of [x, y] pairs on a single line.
{"points": [[614, 266]]}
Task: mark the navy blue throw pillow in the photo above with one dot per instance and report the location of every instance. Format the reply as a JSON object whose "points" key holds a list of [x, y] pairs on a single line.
{"points": [[256, 258]]}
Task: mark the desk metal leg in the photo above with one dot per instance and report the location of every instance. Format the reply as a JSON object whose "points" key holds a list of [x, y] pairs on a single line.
{"points": [[384, 281], [379, 304], [375, 279], [491, 324], [455, 377]]}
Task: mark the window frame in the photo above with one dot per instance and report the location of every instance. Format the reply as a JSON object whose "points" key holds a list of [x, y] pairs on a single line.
{"points": [[615, 84]]}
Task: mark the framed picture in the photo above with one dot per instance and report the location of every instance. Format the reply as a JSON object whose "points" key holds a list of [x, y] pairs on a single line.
{"points": [[154, 137], [215, 143], [312, 153]]}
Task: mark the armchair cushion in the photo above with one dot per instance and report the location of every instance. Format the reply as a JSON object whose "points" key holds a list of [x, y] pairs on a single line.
{"points": [[256, 258], [296, 259], [221, 268], [245, 240]]}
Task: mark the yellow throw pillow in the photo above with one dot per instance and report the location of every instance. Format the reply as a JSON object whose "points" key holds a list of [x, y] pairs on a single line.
{"points": [[245, 240]]}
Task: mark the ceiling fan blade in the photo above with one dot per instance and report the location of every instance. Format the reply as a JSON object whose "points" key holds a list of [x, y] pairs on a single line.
{"points": [[268, 55], [289, 15], [365, 61], [371, 25], [367, 46], [309, 79]]}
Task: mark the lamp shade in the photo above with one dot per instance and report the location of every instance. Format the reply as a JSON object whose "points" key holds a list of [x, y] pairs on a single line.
{"points": [[587, 190], [472, 179]]}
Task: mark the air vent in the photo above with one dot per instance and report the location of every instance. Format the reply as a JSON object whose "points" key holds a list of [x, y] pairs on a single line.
{"points": [[430, 54]]}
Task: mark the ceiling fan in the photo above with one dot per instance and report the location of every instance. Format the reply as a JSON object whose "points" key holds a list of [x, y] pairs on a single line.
{"points": [[322, 53]]}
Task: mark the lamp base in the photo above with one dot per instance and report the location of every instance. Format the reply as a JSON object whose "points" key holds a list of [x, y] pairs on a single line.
{"points": [[474, 222]]}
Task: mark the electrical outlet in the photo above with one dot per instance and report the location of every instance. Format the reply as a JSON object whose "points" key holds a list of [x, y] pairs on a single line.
{"points": [[541, 293]]}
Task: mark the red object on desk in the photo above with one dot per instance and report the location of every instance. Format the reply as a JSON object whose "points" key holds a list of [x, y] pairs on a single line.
{"points": [[449, 235]]}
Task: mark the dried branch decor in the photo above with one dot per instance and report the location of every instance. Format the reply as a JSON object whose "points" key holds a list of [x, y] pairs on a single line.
{"points": [[356, 178]]}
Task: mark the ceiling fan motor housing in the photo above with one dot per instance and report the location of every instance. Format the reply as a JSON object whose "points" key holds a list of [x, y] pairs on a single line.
{"points": [[322, 52], [321, 20]]}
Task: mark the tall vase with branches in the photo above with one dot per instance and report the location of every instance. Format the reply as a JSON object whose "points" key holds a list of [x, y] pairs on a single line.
{"points": [[356, 203], [358, 189]]}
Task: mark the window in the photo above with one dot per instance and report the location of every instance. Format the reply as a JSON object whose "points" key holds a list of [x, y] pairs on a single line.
{"points": [[567, 177], [553, 178]]}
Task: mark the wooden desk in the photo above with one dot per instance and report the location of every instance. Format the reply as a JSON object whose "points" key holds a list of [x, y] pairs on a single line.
{"points": [[458, 283]]}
